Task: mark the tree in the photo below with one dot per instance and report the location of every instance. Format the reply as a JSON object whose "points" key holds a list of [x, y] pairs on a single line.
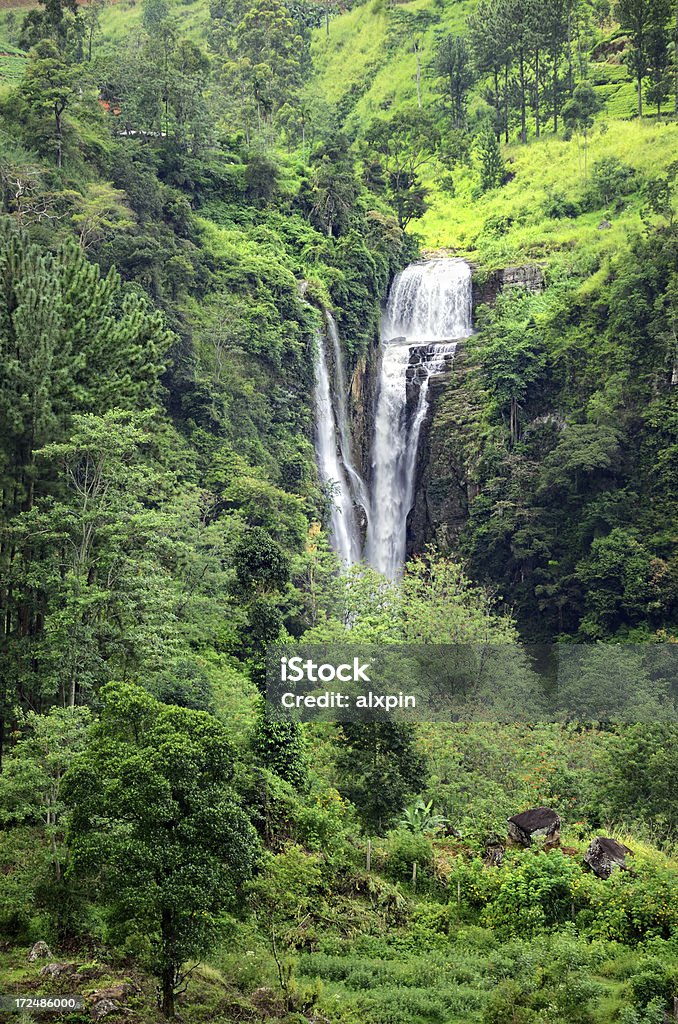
{"points": [[31, 782], [492, 169], [658, 66], [556, 16], [579, 113], [100, 212], [335, 192], [49, 87], [380, 768], [92, 22], [641, 19], [156, 824], [513, 358], [452, 64], [516, 24], [618, 577], [491, 56], [108, 599], [262, 54], [403, 144], [60, 22], [70, 341]]}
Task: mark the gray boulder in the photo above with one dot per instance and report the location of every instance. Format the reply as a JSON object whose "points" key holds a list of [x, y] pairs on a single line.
{"points": [[605, 856], [40, 951], [57, 970], [537, 823], [103, 1007]]}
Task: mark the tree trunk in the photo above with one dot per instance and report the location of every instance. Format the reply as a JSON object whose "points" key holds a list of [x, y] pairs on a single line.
{"points": [[523, 111], [640, 96], [416, 50], [497, 106], [506, 103], [59, 136], [537, 125], [167, 982], [555, 93]]}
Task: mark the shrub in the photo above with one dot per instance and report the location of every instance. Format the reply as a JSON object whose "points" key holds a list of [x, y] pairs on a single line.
{"points": [[558, 205], [403, 849], [610, 181], [535, 894]]}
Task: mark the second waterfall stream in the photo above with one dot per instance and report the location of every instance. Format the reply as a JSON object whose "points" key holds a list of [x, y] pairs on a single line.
{"points": [[429, 309]]}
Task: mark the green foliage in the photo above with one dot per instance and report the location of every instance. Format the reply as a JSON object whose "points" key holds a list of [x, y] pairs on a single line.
{"points": [[380, 767], [396, 150], [420, 817], [492, 169], [538, 893], [156, 824], [404, 848], [610, 181]]}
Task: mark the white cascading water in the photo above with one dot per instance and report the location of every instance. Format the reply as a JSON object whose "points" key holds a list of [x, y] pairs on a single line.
{"points": [[357, 484], [336, 465], [429, 307]]}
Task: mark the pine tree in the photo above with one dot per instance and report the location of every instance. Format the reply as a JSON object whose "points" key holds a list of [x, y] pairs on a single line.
{"points": [[492, 169]]}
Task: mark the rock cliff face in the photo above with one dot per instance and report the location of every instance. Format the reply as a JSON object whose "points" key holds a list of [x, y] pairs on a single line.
{"points": [[445, 485], [442, 490], [363, 389], [487, 287]]}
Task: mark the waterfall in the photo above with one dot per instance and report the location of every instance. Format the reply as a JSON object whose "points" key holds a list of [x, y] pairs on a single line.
{"points": [[334, 457], [356, 482], [429, 308]]}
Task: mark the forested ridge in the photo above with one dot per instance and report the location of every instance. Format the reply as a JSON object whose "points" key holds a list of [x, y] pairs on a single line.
{"points": [[188, 189]]}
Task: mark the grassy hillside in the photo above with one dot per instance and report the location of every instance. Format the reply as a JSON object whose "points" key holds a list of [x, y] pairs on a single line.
{"points": [[367, 66]]}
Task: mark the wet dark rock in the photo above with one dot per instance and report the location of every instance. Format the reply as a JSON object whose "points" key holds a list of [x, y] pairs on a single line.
{"points": [[40, 951], [606, 855], [537, 823]]}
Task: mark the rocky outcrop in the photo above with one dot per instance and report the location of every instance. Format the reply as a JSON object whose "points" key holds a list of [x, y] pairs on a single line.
{"points": [[40, 951], [486, 288], [537, 823], [606, 855], [443, 487], [363, 389], [494, 852], [57, 970]]}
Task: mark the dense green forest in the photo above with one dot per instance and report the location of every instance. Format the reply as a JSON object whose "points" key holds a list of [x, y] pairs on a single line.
{"points": [[188, 188]]}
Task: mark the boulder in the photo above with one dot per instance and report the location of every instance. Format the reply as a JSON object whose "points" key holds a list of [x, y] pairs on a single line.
{"points": [[494, 855], [40, 951], [605, 856], [103, 1007], [57, 970], [537, 823], [604, 225]]}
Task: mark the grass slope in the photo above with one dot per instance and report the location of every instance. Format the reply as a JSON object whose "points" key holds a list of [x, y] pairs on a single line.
{"points": [[367, 67]]}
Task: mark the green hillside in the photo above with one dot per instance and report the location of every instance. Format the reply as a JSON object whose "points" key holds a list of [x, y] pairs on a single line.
{"points": [[193, 196]]}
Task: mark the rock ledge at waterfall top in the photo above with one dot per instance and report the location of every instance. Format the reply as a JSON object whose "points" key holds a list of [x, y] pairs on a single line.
{"points": [[486, 288]]}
